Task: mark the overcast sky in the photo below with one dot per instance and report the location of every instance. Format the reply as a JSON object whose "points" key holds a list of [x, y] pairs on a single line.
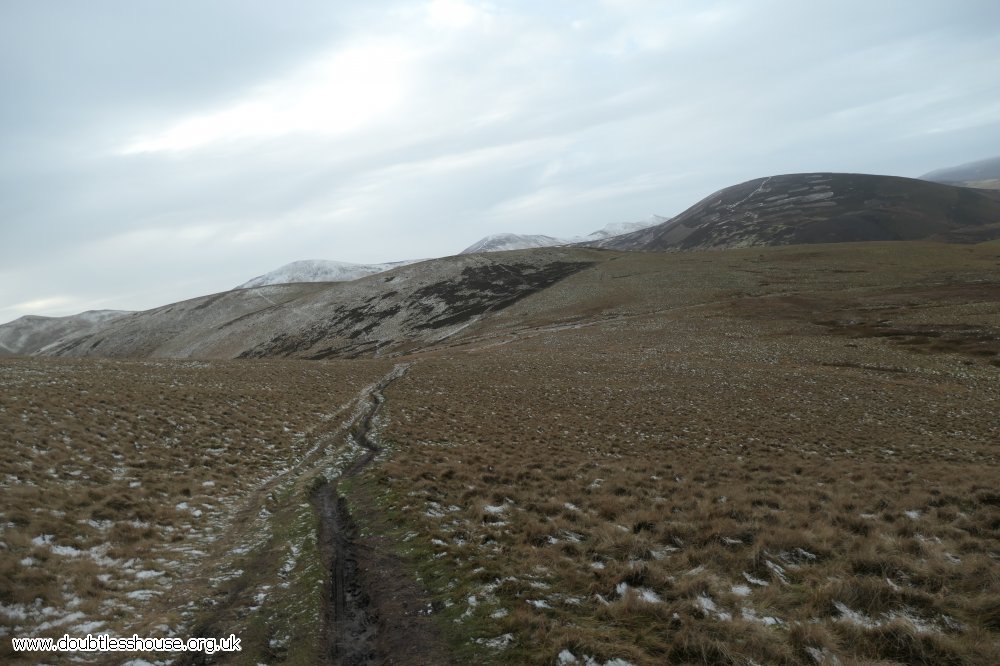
{"points": [[156, 151]]}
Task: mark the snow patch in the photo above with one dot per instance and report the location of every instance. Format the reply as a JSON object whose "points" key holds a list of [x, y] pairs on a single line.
{"points": [[320, 270], [566, 657], [499, 643], [750, 615], [643, 593]]}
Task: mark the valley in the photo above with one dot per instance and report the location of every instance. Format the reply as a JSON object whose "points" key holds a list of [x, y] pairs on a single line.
{"points": [[768, 455]]}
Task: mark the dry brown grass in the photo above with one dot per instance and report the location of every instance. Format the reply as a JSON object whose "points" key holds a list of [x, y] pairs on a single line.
{"points": [[717, 484], [781, 456], [131, 489]]}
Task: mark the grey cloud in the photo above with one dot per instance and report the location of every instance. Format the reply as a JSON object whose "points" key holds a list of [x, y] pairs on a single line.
{"points": [[558, 118]]}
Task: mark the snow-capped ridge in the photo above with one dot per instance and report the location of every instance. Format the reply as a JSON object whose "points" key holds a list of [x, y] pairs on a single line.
{"points": [[508, 241], [321, 270], [502, 242]]}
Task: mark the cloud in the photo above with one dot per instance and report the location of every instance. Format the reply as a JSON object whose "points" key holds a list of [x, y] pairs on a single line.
{"points": [[456, 14], [173, 149], [336, 94]]}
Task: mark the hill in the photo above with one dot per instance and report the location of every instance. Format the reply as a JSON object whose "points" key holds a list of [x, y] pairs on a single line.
{"points": [[320, 270], [503, 242], [31, 334], [407, 307], [823, 208], [982, 174]]}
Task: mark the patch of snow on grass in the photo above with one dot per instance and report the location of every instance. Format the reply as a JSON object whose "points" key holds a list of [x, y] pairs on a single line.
{"points": [[660, 553], [750, 615], [142, 595], [499, 643], [823, 656], [72, 617], [148, 573], [778, 570], [854, 617], [88, 627], [566, 657], [14, 612], [643, 593], [707, 605], [920, 625]]}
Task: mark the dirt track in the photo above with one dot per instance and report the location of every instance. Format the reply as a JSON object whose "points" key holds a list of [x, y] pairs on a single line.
{"points": [[350, 622]]}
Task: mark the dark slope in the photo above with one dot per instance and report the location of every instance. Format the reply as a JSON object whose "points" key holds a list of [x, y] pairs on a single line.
{"points": [[824, 208]]}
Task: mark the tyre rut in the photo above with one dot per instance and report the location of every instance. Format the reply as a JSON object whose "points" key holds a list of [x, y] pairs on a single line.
{"points": [[350, 623]]}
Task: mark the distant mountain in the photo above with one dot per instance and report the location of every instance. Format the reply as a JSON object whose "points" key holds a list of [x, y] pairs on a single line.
{"points": [[320, 270], [619, 228], [31, 334], [502, 242], [982, 174], [823, 208]]}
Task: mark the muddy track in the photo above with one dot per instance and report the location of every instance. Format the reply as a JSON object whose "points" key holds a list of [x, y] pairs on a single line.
{"points": [[350, 624]]}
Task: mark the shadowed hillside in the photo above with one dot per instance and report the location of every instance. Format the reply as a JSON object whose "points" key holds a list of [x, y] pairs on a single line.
{"points": [[824, 208], [401, 309]]}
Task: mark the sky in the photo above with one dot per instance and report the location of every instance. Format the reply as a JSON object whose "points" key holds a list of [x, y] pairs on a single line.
{"points": [[153, 151]]}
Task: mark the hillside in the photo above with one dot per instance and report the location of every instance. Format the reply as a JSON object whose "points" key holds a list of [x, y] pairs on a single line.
{"points": [[415, 304], [320, 270], [981, 174], [503, 242], [403, 308], [31, 334], [823, 208]]}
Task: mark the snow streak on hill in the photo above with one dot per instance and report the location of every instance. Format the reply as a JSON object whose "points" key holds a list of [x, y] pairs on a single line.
{"points": [[502, 242], [321, 270]]}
